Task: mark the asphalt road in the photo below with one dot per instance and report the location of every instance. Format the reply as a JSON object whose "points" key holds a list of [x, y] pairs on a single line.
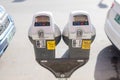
{"points": [[18, 61]]}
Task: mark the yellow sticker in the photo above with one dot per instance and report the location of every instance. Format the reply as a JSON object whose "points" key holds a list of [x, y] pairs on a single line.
{"points": [[50, 45], [86, 44]]}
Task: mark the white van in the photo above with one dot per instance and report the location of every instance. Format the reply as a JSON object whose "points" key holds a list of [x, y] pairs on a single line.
{"points": [[7, 29], [112, 24]]}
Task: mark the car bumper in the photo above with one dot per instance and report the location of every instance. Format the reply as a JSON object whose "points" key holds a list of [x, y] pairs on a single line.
{"points": [[112, 33], [6, 39]]}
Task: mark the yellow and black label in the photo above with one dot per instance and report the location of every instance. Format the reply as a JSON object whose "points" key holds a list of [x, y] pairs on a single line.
{"points": [[86, 44], [50, 45]]}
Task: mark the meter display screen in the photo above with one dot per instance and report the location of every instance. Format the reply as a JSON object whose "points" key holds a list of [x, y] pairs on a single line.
{"points": [[80, 20], [42, 21]]}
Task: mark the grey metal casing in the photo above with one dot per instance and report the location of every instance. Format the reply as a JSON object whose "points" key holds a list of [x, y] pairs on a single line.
{"points": [[78, 52], [34, 33]]}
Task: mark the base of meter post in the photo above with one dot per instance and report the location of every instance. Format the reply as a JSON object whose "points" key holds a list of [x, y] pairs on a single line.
{"points": [[62, 79], [62, 68]]}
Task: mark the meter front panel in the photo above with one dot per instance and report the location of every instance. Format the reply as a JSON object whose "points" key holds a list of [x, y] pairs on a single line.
{"points": [[80, 20], [42, 21]]}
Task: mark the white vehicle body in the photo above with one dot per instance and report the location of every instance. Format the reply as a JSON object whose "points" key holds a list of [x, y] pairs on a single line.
{"points": [[7, 29], [112, 24]]}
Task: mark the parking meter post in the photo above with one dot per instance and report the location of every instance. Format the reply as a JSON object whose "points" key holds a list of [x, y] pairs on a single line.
{"points": [[62, 79]]}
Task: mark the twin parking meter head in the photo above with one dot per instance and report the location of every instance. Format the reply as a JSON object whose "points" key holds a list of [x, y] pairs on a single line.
{"points": [[78, 34], [44, 34]]}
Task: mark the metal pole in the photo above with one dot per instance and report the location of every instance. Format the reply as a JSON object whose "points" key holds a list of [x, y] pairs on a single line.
{"points": [[62, 79]]}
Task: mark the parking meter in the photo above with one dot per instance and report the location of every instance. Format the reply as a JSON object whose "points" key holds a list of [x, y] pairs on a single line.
{"points": [[44, 34], [78, 34]]}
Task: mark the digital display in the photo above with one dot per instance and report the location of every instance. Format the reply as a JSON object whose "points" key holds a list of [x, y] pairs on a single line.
{"points": [[80, 20], [42, 21]]}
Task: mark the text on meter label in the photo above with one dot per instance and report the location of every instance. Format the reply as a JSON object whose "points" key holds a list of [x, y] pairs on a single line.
{"points": [[50, 45]]}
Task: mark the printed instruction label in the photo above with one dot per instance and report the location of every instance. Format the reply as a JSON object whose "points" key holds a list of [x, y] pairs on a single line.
{"points": [[86, 44], [50, 45], [76, 43]]}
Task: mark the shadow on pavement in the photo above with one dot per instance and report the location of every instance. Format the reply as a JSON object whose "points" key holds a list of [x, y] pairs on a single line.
{"points": [[18, 1], [108, 64], [102, 5]]}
